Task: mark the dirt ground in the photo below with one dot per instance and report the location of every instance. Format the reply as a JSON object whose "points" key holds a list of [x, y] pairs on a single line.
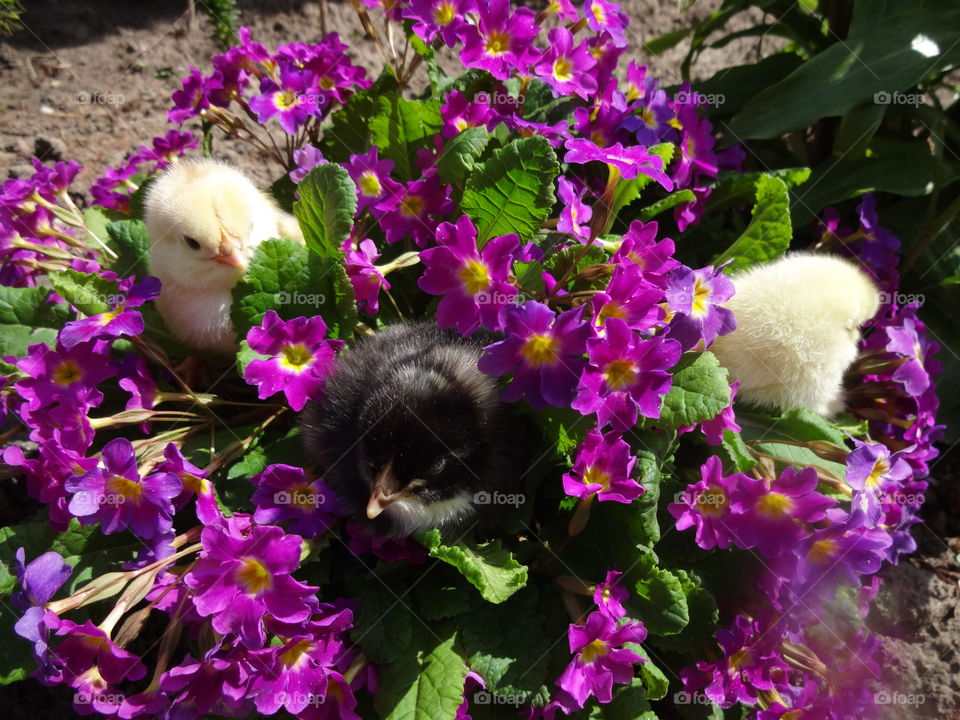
{"points": [[91, 81]]}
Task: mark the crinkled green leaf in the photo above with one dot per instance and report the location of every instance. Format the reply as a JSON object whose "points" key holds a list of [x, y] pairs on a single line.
{"points": [[769, 233], [735, 188], [382, 625], [737, 452], [284, 276], [488, 566], [702, 612], [131, 241], [700, 391], [400, 127], [512, 191], [89, 293], [660, 602], [28, 306], [325, 210], [668, 203], [460, 154], [629, 701], [426, 682], [439, 597]]}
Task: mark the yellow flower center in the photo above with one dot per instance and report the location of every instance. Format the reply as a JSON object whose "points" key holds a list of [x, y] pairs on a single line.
{"points": [[194, 483], [611, 309], [774, 505], [106, 317], [128, 489], [370, 184], [285, 100], [620, 374], [67, 372], [461, 123], [444, 13], [295, 357], [649, 119], [595, 476], [713, 501], [553, 7], [822, 550], [95, 642], [596, 649], [633, 92], [327, 83], [701, 297], [598, 13], [412, 206], [303, 497], [296, 654], [880, 468], [475, 277], [539, 350], [253, 576], [562, 69], [498, 43], [740, 658]]}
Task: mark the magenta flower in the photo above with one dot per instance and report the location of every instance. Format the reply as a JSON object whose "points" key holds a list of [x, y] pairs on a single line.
{"points": [[710, 504], [610, 595], [625, 376], [118, 321], [696, 145], [499, 41], [410, 210], [306, 159], [214, 685], [473, 283], [115, 495], [875, 474], [639, 245], [39, 581], [87, 645], [603, 467], [286, 493], [300, 358], [727, 420], [433, 17], [774, 516], [58, 374], [190, 99], [242, 576], [565, 67], [904, 341], [693, 297], [600, 660], [574, 211], [838, 554], [630, 161], [542, 350], [291, 101], [371, 175], [630, 298], [604, 17], [458, 113], [194, 482], [364, 276]]}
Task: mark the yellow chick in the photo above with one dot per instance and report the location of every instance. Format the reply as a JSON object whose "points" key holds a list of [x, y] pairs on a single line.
{"points": [[798, 321], [205, 220]]}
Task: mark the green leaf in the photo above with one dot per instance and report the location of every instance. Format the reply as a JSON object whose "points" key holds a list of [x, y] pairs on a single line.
{"points": [[703, 613], [460, 154], [510, 663], [131, 241], [700, 391], [737, 85], [667, 203], [769, 233], [438, 597], [488, 566], [383, 626], [400, 127], [857, 129], [28, 306], [90, 294], [512, 191], [284, 276], [737, 452], [656, 683], [325, 210], [661, 602], [427, 682], [735, 188], [629, 701], [662, 43], [349, 131], [15, 339], [882, 59]]}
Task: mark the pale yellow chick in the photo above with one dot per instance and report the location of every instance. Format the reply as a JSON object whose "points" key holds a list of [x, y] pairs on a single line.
{"points": [[798, 321], [205, 220]]}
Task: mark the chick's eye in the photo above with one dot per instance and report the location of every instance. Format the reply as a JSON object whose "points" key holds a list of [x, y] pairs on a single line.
{"points": [[191, 242]]}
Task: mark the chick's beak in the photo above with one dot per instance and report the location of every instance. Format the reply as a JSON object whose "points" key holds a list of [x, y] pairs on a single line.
{"points": [[230, 254], [386, 491]]}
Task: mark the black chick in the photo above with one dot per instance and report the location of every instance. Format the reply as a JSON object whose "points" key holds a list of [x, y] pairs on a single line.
{"points": [[412, 436]]}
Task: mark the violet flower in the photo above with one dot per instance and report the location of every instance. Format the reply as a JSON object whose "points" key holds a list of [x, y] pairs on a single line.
{"points": [[603, 467]]}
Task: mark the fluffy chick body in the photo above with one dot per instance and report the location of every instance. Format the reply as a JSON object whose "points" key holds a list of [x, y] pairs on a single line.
{"points": [[409, 431], [205, 220], [798, 321]]}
